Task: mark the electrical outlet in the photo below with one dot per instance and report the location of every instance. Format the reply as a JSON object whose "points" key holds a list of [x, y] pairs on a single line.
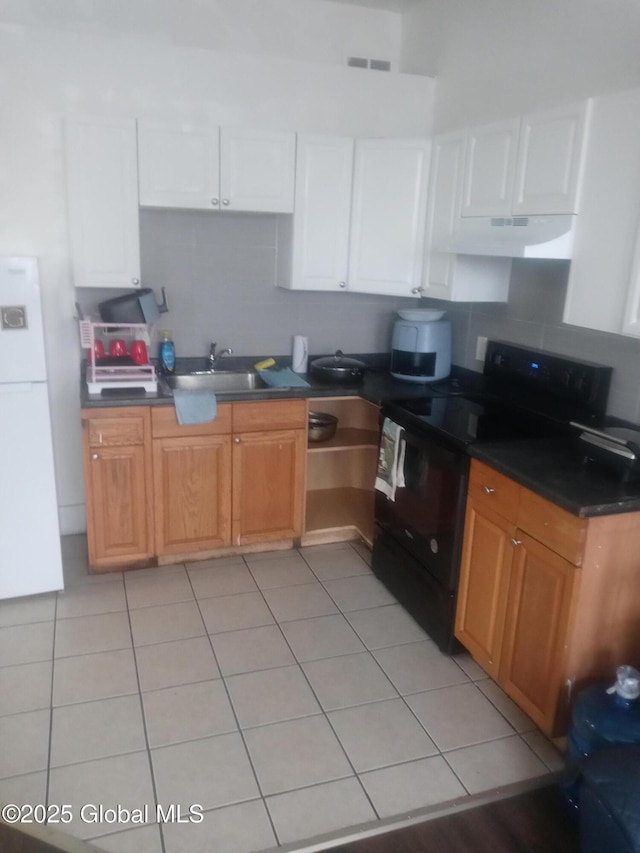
{"points": [[481, 348]]}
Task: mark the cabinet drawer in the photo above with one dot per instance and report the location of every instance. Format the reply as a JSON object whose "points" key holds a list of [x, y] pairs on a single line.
{"points": [[115, 432], [164, 423], [270, 414], [489, 488], [554, 527]]}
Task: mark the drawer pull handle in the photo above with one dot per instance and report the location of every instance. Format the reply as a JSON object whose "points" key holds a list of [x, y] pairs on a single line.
{"points": [[94, 456], [488, 490], [516, 542]]}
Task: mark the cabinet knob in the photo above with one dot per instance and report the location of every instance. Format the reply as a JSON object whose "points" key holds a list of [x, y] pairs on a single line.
{"points": [[95, 456], [135, 281], [516, 542], [417, 290], [215, 202], [236, 441], [488, 490], [342, 284], [225, 202]]}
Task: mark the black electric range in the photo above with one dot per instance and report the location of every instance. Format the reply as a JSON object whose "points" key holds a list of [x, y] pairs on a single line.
{"points": [[423, 464]]}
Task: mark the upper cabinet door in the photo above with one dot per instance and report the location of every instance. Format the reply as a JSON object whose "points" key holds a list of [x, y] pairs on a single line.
{"points": [[179, 166], [257, 170], [443, 211], [550, 160], [388, 215], [490, 169], [102, 177], [324, 171]]}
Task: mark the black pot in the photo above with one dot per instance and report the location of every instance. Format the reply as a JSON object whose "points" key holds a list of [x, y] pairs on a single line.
{"points": [[337, 368]]}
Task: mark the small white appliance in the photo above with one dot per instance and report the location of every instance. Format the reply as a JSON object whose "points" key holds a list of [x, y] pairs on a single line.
{"points": [[421, 350], [29, 529]]}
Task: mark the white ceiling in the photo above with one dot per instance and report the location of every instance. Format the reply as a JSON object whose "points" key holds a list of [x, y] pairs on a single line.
{"points": [[389, 5]]}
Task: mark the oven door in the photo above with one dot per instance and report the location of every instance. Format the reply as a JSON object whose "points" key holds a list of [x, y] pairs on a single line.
{"points": [[424, 512]]}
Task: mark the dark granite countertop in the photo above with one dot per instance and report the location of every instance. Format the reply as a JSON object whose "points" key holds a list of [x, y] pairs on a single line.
{"points": [[377, 385], [551, 468], [554, 469]]}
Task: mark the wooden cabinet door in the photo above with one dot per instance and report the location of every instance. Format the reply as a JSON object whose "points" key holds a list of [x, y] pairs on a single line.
{"points": [[324, 169], [257, 170], [541, 594], [487, 553], [102, 179], [192, 488], [268, 482], [388, 216], [490, 169], [179, 166], [118, 525], [550, 160]]}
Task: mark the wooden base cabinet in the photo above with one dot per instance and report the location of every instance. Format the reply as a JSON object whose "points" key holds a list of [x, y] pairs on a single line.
{"points": [[541, 594], [547, 601], [192, 482], [118, 485]]}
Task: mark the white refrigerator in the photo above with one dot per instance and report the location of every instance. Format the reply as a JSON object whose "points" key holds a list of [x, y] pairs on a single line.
{"points": [[30, 559]]}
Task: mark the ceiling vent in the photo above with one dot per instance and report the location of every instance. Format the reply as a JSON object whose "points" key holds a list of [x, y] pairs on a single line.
{"points": [[374, 64]]}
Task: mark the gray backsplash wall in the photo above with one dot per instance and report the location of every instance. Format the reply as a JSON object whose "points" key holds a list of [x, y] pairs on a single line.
{"points": [[219, 270], [533, 317]]}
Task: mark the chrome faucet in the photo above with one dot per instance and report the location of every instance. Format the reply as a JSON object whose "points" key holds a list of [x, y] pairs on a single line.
{"points": [[214, 356]]}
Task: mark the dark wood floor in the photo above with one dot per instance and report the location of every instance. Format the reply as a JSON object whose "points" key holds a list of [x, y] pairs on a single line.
{"points": [[534, 822]]}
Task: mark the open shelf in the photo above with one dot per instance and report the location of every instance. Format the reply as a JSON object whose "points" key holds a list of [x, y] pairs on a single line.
{"points": [[338, 514], [346, 439], [341, 473]]}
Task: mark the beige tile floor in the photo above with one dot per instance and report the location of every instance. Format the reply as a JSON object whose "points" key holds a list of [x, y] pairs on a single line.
{"points": [[286, 693]]}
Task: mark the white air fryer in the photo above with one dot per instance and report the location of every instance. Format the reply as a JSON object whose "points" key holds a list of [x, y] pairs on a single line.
{"points": [[421, 350]]}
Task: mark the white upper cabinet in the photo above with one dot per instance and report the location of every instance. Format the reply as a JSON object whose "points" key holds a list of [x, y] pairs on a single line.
{"points": [[526, 166], [388, 216], [603, 292], [257, 170], [216, 168], [179, 167], [320, 252], [103, 202], [490, 169], [550, 160], [448, 276]]}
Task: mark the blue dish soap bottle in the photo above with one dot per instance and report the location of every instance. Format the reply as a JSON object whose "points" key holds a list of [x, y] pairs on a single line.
{"points": [[167, 353]]}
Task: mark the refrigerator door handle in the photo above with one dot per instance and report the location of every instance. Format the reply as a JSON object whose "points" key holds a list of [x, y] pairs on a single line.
{"points": [[16, 387]]}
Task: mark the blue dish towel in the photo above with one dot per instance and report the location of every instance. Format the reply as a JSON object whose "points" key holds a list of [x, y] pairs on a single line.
{"points": [[195, 407], [283, 378]]}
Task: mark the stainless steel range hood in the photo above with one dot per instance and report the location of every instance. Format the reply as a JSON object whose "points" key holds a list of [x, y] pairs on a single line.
{"points": [[514, 237]]}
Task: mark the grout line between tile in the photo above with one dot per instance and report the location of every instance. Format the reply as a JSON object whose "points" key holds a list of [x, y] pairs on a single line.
{"points": [[53, 674], [235, 716], [144, 719]]}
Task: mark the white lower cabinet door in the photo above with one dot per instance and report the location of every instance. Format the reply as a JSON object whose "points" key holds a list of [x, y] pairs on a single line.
{"points": [[388, 216]]}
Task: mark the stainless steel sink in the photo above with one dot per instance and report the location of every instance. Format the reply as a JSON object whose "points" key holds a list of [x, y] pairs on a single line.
{"points": [[220, 381]]}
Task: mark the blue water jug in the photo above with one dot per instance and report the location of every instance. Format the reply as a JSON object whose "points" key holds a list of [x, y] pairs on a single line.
{"points": [[602, 717]]}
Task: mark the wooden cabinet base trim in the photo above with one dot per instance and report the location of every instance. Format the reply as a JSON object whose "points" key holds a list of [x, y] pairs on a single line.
{"points": [[231, 551]]}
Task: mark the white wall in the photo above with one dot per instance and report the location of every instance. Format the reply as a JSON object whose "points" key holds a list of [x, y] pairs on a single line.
{"points": [[497, 58], [47, 73], [304, 30]]}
